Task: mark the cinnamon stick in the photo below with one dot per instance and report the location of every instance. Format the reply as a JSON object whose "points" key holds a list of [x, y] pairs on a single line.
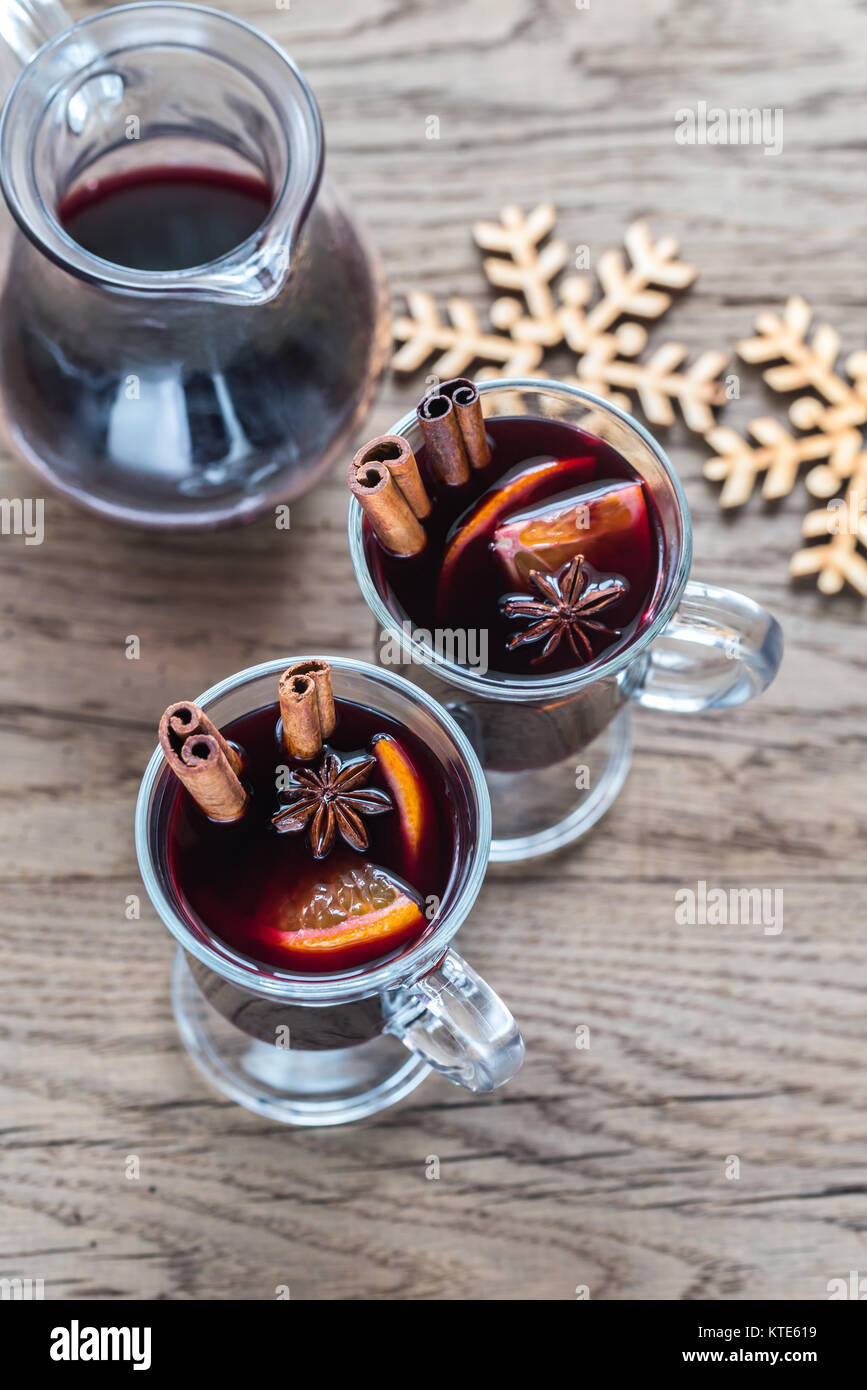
{"points": [[397, 455], [453, 428], [185, 718], [321, 673], [299, 712], [444, 440], [202, 766], [468, 406], [387, 509]]}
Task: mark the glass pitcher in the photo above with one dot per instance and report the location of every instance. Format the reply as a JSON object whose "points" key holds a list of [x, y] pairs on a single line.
{"points": [[177, 395]]}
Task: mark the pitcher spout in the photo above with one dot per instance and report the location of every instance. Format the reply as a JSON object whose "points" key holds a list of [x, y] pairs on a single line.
{"points": [[256, 279], [273, 268]]}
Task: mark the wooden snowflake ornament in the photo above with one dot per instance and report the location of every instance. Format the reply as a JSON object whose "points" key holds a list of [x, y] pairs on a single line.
{"points": [[829, 425], [595, 319], [601, 320], [461, 341]]}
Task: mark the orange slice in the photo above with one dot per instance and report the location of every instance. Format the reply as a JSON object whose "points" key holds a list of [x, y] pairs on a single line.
{"points": [[605, 522], [346, 912], [523, 485], [412, 799]]}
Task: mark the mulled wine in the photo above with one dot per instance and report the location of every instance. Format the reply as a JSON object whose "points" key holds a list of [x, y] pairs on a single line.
{"points": [[327, 863], [168, 218], [551, 544], [315, 867]]}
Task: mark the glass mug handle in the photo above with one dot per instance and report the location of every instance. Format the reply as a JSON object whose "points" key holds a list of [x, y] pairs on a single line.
{"points": [[459, 1026], [719, 649]]}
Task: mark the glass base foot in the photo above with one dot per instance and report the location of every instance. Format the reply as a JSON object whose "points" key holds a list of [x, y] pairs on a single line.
{"points": [[297, 1088], [538, 812]]}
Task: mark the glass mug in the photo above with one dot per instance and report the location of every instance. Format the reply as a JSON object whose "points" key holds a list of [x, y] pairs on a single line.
{"points": [[189, 397], [349, 1032], [556, 749]]}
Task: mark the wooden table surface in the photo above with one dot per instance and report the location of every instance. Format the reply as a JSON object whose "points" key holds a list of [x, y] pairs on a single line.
{"points": [[606, 1167]]}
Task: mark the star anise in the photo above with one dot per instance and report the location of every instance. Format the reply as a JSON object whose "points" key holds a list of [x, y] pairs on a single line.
{"points": [[568, 603], [329, 799]]}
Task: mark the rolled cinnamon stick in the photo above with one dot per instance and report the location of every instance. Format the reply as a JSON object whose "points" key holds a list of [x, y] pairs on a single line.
{"points": [[299, 712], [468, 405], [185, 718], [321, 673], [397, 455], [441, 432], [204, 769], [387, 509], [453, 427]]}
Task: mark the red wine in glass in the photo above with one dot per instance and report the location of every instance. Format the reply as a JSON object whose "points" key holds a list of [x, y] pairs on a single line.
{"points": [[550, 494], [265, 893]]}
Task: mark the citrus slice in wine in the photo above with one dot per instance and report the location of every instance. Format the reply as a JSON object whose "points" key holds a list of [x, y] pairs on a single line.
{"points": [[345, 912], [412, 799], [605, 522], [520, 488]]}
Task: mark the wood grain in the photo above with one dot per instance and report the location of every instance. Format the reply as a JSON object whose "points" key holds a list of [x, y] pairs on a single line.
{"points": [[605, 1166]]}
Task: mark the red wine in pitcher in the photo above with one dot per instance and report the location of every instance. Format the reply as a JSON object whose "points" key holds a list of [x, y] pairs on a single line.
{"points": [[337, 859], [553, 549], [165, 219], [169, 384]]}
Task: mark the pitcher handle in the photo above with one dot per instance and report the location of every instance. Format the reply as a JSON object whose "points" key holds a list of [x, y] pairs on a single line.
{"points": [[26, 25], [719, 649], [455, 1022]]}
